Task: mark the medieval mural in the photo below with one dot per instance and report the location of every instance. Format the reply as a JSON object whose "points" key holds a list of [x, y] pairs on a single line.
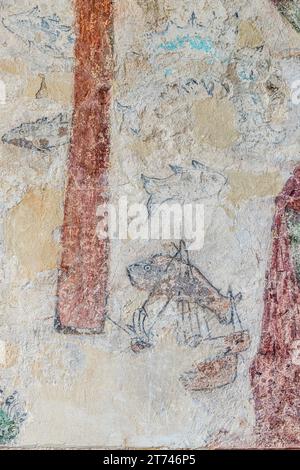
{"points": [[150, 223]]}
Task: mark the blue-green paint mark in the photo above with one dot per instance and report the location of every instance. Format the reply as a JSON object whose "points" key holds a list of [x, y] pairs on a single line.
{"points": [[11, 418], [168, 72], [246, 76], [9, 429], [195, 42]]}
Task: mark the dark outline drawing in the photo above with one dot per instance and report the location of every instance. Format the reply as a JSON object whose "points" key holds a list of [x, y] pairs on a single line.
{"points": [[141, 328], [208, 177], [43, 135]]}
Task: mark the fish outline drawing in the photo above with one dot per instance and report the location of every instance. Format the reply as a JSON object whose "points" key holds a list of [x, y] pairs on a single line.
{"points": [[175, 279], [42, 135], [55, 38], [184, 185]]}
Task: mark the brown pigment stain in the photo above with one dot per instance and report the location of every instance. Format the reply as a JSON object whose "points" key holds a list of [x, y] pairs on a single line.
{"points": [[83, 280], [249, 35], [245, 185], [29, 230], [11, 355], [59, 87], [13, 66], [215, 122]]}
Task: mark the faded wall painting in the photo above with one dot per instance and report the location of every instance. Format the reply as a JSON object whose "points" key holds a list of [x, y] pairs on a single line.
{"points": [[150, 224]]}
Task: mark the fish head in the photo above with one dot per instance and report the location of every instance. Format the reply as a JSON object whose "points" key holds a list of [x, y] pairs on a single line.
{"points": [[42, 135], [147, 274], [26, 136], [209, 181], [156, 185], [23, 24], [19, 137]]}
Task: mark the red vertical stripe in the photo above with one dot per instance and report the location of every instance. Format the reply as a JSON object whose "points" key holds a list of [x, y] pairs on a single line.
{"points": [[82, 285], [275, 378]]}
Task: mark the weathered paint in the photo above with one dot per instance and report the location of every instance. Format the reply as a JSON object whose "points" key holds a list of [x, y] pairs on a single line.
{"points": [[275, 376], [195, 42], [290, 10], [230, 110], [12, 416], [84, 265]]}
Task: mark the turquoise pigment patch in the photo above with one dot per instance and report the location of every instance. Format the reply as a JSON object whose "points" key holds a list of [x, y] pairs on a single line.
{"points": [[12, 415], [9, 429], [195, 42]]}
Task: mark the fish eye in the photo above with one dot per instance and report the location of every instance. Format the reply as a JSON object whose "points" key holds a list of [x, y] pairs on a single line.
{"points": [[147, 267]]}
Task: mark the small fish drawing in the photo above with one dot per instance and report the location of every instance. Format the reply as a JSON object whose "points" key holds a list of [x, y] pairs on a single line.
{"points": [[12, 416], [47, 33], [42, 135], [175, 278], [184, 185]]}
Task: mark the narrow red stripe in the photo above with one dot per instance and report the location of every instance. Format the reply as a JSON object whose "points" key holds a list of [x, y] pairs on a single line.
{"points": [[82, 285]]}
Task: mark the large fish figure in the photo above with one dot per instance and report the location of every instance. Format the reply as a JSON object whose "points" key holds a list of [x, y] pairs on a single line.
{"points": [[47, 33], [178, 280], [198, 182], [42, 135], [181, 283]]}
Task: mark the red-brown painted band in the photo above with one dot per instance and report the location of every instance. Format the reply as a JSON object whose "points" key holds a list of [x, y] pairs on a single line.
{"points": [[275, 376], [82, 285]]}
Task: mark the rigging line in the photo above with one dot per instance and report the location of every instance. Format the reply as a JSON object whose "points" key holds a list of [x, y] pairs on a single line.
{"points": [[234, 312], [158, 315], [152, 293], [182, 320], [119, 326], [207, 329], [141, 322], [198, 323], [190, 320]]}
